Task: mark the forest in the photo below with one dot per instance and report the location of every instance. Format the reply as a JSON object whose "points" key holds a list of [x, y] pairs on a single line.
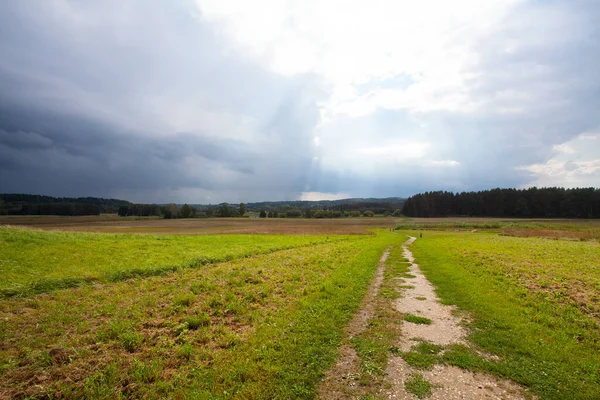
{"points": [[527, 203], [33, 204]]}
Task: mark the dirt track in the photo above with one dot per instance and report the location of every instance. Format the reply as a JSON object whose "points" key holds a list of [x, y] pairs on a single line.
{"points": [[445, 329], [419, 299], [339, 383]]}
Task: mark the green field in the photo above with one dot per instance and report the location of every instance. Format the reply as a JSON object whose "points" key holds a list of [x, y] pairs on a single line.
{"points": [[533, 302], [106, 316], [263, 326], [33, 261]]}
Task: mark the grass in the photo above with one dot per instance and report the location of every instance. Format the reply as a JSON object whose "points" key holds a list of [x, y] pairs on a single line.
{"points": [[534, 304], [418, 386], [265, 326], [580, 229], [423, 355], [374, 344], [415, 319], [33, 262]]}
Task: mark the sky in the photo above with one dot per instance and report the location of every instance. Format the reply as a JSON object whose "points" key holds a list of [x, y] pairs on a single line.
{"points": [[209, 101]]}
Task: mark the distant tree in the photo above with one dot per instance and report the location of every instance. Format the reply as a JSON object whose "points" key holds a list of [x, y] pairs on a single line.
{"points": [[170, 211], [225, 210], [242, 209], [319, 214], [355, 213], [210, 212], [263, 214], [294, 213], [522, 209], [185, 211], [270, 214], [275, 214], [397, 213], [123, 211], [368, 213]]}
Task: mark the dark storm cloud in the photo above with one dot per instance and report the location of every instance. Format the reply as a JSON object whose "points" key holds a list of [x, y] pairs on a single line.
{"points": [[95, 95]]}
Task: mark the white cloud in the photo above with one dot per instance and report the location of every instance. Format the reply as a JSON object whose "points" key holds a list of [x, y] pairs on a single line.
{"points": [[442, 163], [314, 196], [352, 43], [399, 151], [575, 163]]}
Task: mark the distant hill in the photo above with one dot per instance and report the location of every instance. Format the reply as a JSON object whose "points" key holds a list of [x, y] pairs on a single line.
{"points": [[33, 204]]}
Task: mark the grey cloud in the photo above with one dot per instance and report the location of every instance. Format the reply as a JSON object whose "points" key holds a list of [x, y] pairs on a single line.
{"points": [[24, 140], [100, 97]]}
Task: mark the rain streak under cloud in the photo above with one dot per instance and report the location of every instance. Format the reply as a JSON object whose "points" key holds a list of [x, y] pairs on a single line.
{"points": [[210, 101]]}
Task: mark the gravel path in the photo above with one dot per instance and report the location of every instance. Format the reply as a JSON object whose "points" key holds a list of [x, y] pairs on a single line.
{"points": [[449, 382]]}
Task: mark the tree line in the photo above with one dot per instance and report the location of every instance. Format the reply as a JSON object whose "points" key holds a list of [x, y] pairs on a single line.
{"points": [[318, 214], [172, 211], [550, 202], [345, 206], [30, 204]]}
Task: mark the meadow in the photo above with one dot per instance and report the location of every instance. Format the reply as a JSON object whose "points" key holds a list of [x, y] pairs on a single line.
{"points": [[261, 316], [254, 326], [34, 261], [533, 304]]}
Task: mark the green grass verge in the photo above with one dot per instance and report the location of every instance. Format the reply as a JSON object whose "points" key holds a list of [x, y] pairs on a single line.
{"points": [[534, 303], [33, 261], [263, 327]]}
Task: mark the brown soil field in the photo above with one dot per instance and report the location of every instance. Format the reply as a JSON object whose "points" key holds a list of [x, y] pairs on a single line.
{"points": [[111, 223], [195, 226]]}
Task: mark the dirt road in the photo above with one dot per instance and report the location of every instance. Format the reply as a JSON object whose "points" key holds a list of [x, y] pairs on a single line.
{"points": [[447, 382], [437, 325]]}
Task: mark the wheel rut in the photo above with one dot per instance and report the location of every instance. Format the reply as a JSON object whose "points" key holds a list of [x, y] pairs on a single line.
{"points": [[339, 382]]}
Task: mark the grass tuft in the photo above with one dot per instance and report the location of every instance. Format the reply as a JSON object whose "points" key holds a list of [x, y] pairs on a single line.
{"points": [[184, 299], [195, 322], [415, 319], [131, 341], [418, 386]]}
